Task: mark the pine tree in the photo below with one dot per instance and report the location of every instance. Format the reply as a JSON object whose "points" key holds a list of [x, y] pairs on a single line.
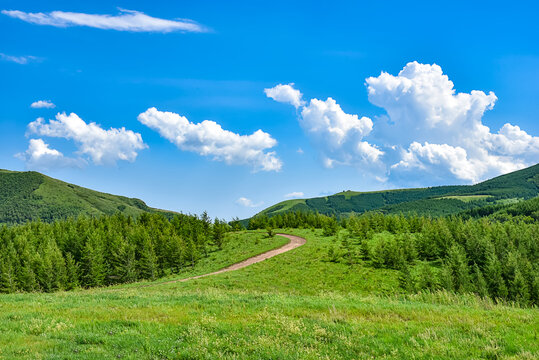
{"points": [[27, 278], [44, 269], [130, 273], [493, 275], [8, 278], [405, 278], [72, 272], [116, 253], [175, 252], [519, 289], [425, 278], [218, 233], [58, 267], [458, 267], [479, 283], [148, 261], [93, 262]]}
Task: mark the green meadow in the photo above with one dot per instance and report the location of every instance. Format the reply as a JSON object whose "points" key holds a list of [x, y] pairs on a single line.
{"points": [[297, 305]]}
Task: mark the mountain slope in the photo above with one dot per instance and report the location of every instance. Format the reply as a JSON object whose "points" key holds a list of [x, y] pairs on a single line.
{"points": [[441, 200], [31, 195]]}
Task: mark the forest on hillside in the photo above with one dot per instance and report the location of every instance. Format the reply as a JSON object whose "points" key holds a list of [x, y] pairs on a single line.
{"points": [[493, 253], [107, 250], [495, 256]]}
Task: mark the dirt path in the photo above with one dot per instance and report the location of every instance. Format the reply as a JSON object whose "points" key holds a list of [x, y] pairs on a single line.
{"points": [[295, 241]]}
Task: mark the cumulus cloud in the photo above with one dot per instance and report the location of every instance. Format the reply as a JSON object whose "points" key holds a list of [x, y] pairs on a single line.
{"points": [[47, 104], [436, 158], [243, 201], [285, 94], [294, 195], [209, 139], [337, 135], [429, 128], [126, 20], [437, 128], [23, 60], [102, 146], [39, 156]]}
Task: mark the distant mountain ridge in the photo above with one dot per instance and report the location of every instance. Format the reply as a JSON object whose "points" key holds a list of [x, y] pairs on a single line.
{"points": [[30, 195], [436, 201]]}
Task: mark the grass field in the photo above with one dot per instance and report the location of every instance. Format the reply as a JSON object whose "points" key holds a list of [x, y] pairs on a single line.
{"points": [[297, 305], [467, 198]]}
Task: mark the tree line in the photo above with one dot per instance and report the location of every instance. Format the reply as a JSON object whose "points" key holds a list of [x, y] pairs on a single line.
{"points": [[494, 257], [490, 258], [107, 250]]}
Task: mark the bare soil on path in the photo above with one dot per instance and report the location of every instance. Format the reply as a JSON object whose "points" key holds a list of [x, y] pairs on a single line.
{"points": [[295, 241]]}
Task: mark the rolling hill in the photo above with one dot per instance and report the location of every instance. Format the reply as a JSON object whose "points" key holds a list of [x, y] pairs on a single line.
{"points": [[435, 201], [31, 195]]}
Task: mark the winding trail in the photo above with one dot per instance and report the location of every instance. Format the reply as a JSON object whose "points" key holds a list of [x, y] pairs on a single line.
{"points": [[295, 242]]}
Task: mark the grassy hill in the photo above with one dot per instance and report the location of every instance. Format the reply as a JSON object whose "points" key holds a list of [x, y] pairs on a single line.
{"points": [[435, 201], [297, 305], [31, 195]]}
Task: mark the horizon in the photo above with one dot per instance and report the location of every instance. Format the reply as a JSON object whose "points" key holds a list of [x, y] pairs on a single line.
{"points": [[237, 109]]}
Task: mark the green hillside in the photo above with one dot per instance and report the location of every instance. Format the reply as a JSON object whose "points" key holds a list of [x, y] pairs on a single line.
{"points": [[31, 195], [298, 305], [435, 201]]}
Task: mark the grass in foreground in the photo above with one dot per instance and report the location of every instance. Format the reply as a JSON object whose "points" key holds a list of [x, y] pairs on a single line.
{"points": [[297, 305]]}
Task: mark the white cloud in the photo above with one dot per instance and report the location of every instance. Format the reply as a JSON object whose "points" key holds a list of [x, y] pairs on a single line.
{"points": [[42, 104], [126, 20], [429, 129], [295, 194], [511, 140], [102, 146], [243, 201], [40, 156], [23, 60], [209, 139], [438, 129], [285, 94], [337, 135]]}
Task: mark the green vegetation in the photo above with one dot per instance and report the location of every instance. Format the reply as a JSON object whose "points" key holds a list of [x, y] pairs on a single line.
{"points": [[492, 259], [527, 210], [88, 252], [26, 196], [370, 285], [435, 201], [467, 198], [298, 305]]}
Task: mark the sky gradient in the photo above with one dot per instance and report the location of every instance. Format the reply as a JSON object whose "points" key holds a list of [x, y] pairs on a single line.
{"points": [[232, 107]]}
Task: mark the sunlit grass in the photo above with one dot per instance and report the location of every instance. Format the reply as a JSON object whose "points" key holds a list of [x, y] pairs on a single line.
{"points": [[297, 305]]}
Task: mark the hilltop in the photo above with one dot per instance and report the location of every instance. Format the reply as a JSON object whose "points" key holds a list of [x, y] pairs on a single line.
{"points": [[436, 201], [30, 195]]}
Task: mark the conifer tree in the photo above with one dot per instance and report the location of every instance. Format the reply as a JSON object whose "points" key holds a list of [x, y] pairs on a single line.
{"points": [[93, 262], [130, 273], [8, 278], [27, 278], [479, 282], [72, 272], [493, 275], [458, 267], [148, 267], [519, 289], [218, 233], [405, 278]]}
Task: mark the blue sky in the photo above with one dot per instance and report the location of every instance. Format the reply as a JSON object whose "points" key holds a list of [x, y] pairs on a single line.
{"points": [[398, 129]]}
